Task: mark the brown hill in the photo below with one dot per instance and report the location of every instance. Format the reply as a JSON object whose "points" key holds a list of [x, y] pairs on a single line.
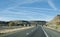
{"points": [[55, 20]]}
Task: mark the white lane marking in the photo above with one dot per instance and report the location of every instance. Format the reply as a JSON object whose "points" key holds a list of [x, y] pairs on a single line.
{"points": [[27, 33], [31, 31], [45, 32]]}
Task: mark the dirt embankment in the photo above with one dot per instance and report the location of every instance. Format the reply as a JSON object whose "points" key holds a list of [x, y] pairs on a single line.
{"points": [[14, 29]]}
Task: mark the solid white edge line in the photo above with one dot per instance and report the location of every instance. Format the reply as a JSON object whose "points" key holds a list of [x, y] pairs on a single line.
{"points": [[44, 32]]}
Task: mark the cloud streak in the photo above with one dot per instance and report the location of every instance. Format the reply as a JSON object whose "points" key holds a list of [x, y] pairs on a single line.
{"points": [[19, 2], [52, 4], [27, 13]]}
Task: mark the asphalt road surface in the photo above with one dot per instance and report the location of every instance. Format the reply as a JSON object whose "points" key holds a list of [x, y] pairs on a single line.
{"points": [[52, 33], [38, 31], [22, 33]]}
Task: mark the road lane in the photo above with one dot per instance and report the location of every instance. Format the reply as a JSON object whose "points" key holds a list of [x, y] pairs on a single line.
{"points": [[35, 32], [22, 33], [32, 32], [52, 33], [38, 33]]}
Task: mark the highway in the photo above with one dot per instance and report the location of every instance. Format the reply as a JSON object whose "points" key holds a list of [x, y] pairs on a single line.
{"points": [[38, 31], [52, 33]]}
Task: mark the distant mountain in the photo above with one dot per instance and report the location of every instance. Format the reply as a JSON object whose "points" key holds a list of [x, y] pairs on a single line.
{"points": [[16, 22], [55, 20], [21, 22], [3, 23]]}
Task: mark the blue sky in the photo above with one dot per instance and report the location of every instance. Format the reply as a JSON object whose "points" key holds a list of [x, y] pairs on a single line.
{"points": [[29, 9]]}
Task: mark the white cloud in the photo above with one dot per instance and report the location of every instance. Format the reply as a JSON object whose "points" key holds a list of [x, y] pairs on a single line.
{"points": [[52, 4], [19, 2], [34, 8], [4, 18], [27, 14]]}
